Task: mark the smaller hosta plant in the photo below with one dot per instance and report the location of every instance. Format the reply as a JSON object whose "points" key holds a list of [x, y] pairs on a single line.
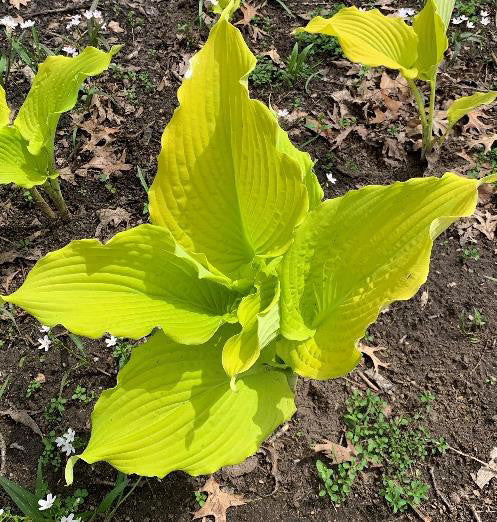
{"points": [[373, 39], [27, 145], [245, 277]]}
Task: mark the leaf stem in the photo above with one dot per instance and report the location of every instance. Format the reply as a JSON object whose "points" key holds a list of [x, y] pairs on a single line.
{"points": [[53, 189], [428, 145], [422, 112], [42, 204]]}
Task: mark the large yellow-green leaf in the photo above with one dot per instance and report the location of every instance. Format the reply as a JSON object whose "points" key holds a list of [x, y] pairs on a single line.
{"points": [[352, 256], [466, 104], [4, 108], [55, 90], [229, 5], [138, 281], [226, 186], [432, 40], [259, 317], [173, 409], [371, 38], [445, 8], [17, 165]]}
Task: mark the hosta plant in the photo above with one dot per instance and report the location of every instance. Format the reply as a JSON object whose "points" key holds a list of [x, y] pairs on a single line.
{"points": [[373, 39], [245, 278], [27, 145]]}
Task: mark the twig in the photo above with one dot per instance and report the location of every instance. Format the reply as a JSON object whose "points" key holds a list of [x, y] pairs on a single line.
{"points": [[475, 513], [443, 498], [3, 451], [367, 381], [67, 9], [421, 515], [486, 464]]}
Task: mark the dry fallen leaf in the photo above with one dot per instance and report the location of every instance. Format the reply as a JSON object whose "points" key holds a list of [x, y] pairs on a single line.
{"points": [[104, 159], [22, 417], [111, 216], [475, 122], [486, 473], [17, 3], [486, 223], [115, 27], [336, 452], [370, 352], [424, 298], [249, 13], [218, 502], [275, 57]]}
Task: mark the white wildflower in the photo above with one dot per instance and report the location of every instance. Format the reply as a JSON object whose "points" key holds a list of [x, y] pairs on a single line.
{"points": [[65, 442], [89, 14], [9, 22], [485, 20], [46, 504], [45, 343], [111, 341], [70, 518], [26, 24], [2, 511], [406, 12], [44, 329], [459, 19], [484, 14], [331, 178], [283, 113], [75, 20], [470, 25], [71, 51]]}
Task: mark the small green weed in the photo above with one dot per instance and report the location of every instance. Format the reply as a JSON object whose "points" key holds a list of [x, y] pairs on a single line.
{"points": [[265, 72], [80, 394], [397, 445], [122, 352], [297, 64], [55, 409], [32, 388], [470, 253], [200, 498]]}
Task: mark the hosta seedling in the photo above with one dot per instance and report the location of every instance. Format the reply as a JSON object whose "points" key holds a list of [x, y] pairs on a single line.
{"points": [[373, 39], [27, 146], [245, 277]]}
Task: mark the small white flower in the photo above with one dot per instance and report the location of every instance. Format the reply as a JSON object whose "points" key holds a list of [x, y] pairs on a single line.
{"points": [[65, 446], [470, 25], [406, 12], [484, 14], [75, 20], [46, 504], [26, 24], [485, 20], [459, 19], [45, 343], [283, 113], [9, 22], [70, 50], [331, 178], [70, 518], [111, 341], [44, 329], [2, 511], [69, 435], [88, 14]]}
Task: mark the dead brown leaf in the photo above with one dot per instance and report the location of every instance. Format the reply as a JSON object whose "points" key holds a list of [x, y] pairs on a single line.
{"points": [[275, 57], [107, 161], [475, 122], [22, 417], [370, 351], [336, 452], [111, 216], [249, 12], [486, 473], [17, 3], [487, 140], [218, 502], [424, 298], [115, 27], [486, 223]]}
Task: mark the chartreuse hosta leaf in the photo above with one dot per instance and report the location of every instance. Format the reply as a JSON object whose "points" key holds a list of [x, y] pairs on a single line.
{"points": [[432, 40], [230, 5], [445, 8], [466, 104], [228, 186], [371, 38], [17, 165], [139, 280], [4, 109], [352, 256], [173, 409], [258, 315], [54, 91]]}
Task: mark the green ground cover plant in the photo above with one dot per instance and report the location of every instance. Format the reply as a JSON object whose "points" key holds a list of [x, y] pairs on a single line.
{"points": [[416, 51], [245, 279]]}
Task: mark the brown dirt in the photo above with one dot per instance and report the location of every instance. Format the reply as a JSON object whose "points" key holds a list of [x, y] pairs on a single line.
{"points": [[426, 349]]}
